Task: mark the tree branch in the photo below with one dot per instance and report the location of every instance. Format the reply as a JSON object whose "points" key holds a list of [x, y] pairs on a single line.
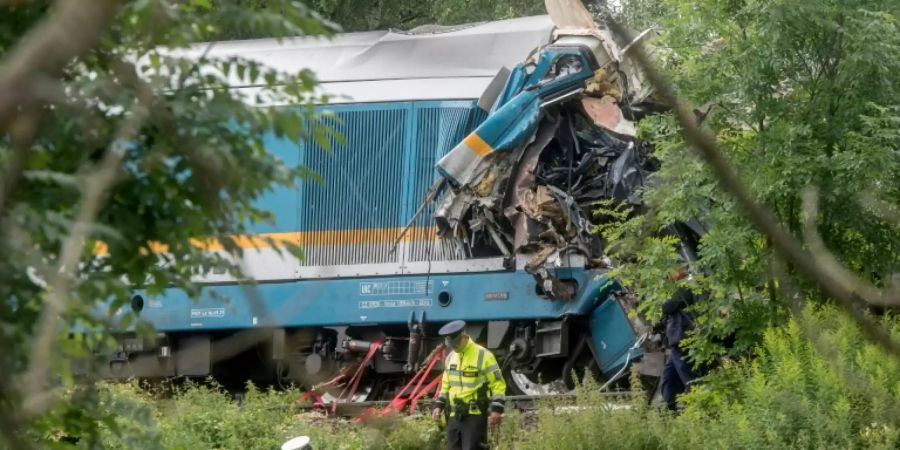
{"points": [[11, 3], [826, 260], [704, 143], [22, 133], [97, 183], [881, 208], [72, 28]]}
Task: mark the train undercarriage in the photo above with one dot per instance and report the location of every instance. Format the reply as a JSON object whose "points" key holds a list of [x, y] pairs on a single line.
{"points": [[535, 356]]}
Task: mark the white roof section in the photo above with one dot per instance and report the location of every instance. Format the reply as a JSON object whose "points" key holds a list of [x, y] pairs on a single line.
{"points": [[453, 63]]}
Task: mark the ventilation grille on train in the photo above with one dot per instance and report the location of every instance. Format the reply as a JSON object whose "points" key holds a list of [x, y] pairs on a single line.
{"points": [[374, 182]]}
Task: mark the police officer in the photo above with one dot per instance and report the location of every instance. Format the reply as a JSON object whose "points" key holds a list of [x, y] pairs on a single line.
{"points": [[472, 390], [678, 373]]}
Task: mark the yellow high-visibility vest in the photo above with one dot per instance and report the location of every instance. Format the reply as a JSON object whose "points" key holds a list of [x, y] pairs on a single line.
{"points": [[464, 374]]}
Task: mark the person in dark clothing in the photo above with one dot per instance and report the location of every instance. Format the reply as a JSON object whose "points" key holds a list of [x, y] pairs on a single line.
{"points": [[677, 373]]}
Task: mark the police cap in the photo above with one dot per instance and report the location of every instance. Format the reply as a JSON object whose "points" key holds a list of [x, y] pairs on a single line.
{"points": [[452, 328]]}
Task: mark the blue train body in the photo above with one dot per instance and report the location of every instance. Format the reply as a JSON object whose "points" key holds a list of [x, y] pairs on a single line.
{"points": [[353, 286]]}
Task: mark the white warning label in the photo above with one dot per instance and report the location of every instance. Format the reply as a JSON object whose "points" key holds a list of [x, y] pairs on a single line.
{"points": [[405, 303], [207, 313], [397, 287]]}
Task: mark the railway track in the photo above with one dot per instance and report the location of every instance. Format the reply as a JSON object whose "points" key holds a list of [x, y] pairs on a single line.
{"points": [[518, 402]]}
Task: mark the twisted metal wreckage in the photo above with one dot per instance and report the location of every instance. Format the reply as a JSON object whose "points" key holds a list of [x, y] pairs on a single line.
{"points": [[558, 138]]}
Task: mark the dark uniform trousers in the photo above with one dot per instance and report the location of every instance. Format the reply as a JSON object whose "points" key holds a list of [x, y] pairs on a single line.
{"points": [[468, 433], [676, 377]]}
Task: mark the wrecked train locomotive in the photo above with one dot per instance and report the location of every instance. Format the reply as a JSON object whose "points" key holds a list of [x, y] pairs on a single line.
{"points": [[508, 165]]}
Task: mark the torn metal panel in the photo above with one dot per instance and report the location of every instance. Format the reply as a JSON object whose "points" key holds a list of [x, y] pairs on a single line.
{"points": [[574, 25], [626, 176], [449, 213], [569, 14], [557, 73], [641, 87], [526, 228], [492, 93], [558, 137], [503, 130], [607, 114]]}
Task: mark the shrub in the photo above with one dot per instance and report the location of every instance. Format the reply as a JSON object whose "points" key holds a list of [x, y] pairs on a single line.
{"points": [[814, 383]]}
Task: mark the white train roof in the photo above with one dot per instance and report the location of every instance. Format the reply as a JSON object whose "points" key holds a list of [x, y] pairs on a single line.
{"points": [[443, 63]]}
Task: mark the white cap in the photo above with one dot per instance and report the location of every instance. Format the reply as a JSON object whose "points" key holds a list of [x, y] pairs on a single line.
{"points": [[297, 443]]}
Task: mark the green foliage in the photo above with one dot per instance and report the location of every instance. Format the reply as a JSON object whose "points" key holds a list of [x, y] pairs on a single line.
{"points": [[246, 19], [365, 15], [395, 432], [193, 167], [636, 14], [799, 93], [815, 382], [203, 415], [803, 93], [795, 394]]}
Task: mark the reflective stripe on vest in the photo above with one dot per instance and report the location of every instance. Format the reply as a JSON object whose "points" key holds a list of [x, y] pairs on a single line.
{"points": [[466, 374]]}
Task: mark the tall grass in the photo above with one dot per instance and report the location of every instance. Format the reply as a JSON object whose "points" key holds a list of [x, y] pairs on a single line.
{"points": [[815, 383]]}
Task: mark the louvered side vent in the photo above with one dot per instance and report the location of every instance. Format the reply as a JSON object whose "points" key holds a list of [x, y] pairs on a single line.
{"points": [[439, 129], [352, 217]]}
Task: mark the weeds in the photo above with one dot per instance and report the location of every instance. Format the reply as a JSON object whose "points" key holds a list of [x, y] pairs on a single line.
{"points": [[833, 391]]}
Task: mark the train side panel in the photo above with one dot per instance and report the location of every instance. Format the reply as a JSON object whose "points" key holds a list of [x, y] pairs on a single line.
{"points": [[353, 286]]}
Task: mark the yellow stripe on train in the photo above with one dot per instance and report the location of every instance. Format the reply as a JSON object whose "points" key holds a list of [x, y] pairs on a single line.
{"points": [[302, 238], [474, 142]]}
